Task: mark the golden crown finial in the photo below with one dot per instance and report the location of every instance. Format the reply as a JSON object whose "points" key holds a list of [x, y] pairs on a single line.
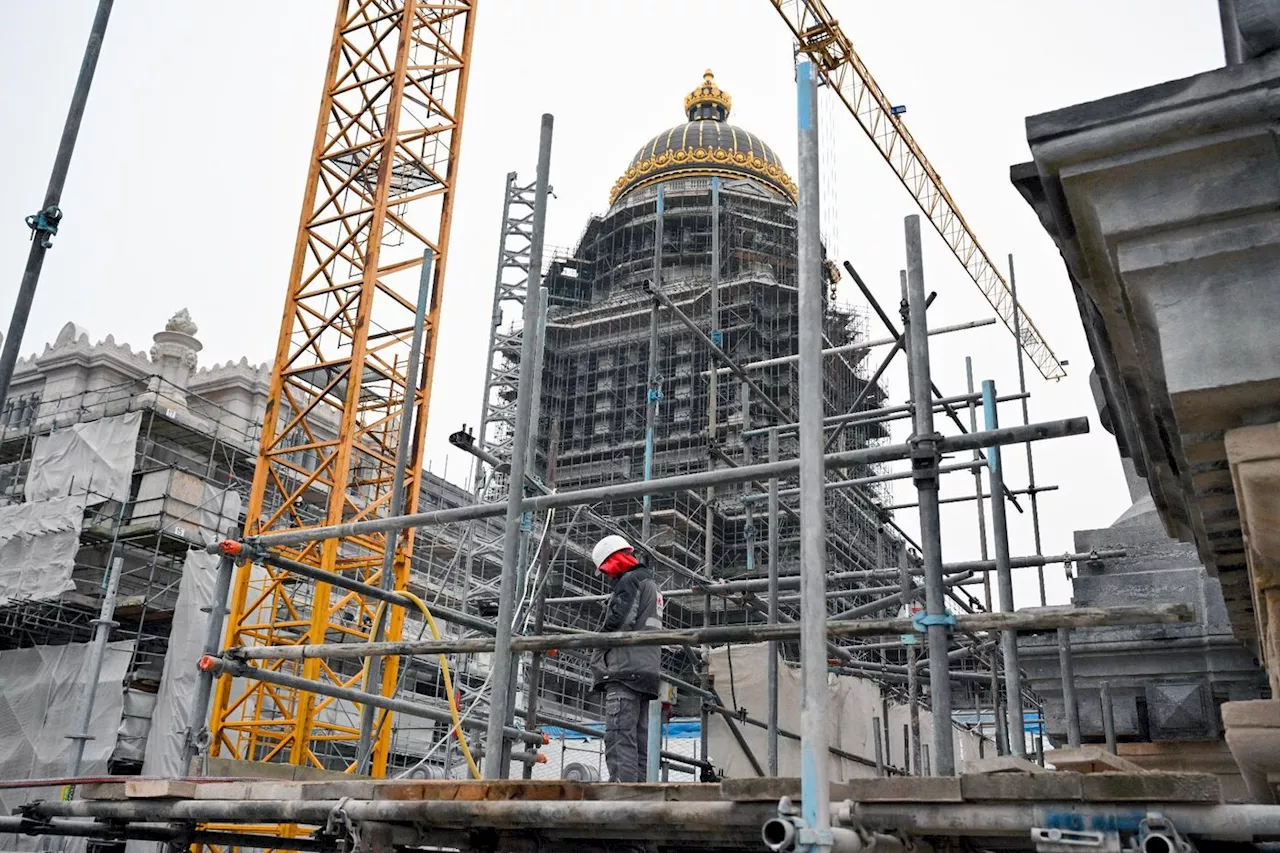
{"points": [[708, 101]]}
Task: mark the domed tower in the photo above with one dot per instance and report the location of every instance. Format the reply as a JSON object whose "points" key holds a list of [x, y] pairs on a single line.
{"points": [[707, 211]]}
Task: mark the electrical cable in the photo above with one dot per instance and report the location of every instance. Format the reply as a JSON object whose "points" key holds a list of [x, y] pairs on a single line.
{"points": [[450, 696], [530, 583]]}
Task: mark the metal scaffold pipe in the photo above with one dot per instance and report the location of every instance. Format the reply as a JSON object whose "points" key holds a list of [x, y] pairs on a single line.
{"points": [[1030, 619], [884, 414], [405, 431], [856, 346], [1026, 419], [101, 633], [653, 381], [44, 223], [674, 819], [1070, 705], [924, 461], [1000, 534], [719, 477], [240, 669], [790, 582], [212, 642], [715, 349], [814, 759], [774, 584], [500, 704], [864, 481]]}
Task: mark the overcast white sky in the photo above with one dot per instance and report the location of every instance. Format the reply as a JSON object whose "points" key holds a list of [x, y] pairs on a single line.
{"points": [[186, 184]]}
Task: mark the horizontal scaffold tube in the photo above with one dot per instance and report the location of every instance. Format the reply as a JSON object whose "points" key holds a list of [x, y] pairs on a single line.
{"points": [[761, 497], [600, 818], [377, 593], [621, 819], [734, 587], [701, 480], [857, 345], [1234, 822], [1030, 619], [182, 836], [884, 414], [402, 706]]}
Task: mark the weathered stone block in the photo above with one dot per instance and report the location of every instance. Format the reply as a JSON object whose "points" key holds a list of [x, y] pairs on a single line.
{"points": [[1151, 787], [1021, 786], [905, 789]]}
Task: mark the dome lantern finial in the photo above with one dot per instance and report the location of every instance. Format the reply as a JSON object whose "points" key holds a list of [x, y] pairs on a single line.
{"points": [[708, 101]]}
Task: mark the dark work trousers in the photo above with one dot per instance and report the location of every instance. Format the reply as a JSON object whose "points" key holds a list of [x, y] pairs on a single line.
{"points": [[626, 733]]}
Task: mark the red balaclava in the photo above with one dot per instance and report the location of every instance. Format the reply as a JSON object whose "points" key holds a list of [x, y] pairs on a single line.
{"points": [[618, 563]]}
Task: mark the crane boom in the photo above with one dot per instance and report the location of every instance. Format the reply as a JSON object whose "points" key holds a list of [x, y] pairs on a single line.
{"points": [[820, 38]]}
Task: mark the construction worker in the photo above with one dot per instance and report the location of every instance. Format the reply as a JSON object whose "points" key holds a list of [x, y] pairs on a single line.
{"points": [[629, 676]]}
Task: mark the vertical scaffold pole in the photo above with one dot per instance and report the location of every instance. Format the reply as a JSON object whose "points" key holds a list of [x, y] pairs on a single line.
{"points": [[774, 649], [814, 772], [912, 748], [654, 393], [44, 223], [1069, 702], [212, 645], [97, 652], [1004, 578], [1026, 419], [924, 463], [1108, 716], [996, 722], [500, 706], [405, 430]]}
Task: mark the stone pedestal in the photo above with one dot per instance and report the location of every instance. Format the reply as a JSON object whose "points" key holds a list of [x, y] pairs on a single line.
{"points": [[1253, 734], [1168, 682]]}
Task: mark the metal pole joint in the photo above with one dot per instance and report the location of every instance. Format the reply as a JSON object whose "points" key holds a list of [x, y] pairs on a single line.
{"points": [[45, 222], [921, 621], [924, 455]]}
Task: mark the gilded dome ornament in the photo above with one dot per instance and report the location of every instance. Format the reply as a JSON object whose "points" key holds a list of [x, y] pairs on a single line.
{"points": [[708, 101], [705, 146]]}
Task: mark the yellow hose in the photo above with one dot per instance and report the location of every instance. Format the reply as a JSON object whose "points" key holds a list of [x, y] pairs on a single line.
{"points": [[448, 681]]}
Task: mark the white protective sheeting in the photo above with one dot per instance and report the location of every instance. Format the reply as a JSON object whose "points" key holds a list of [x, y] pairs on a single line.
{"points": [[42, 687], [852, 704], [174, 711], [94, 457], [135, 725], [38, 545]]}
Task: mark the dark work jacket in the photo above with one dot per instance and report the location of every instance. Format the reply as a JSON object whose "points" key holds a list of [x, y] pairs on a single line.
{"points": [[635, 605]]}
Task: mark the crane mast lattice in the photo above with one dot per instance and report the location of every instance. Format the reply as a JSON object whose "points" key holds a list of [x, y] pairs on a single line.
{"points": [[379, 197]]}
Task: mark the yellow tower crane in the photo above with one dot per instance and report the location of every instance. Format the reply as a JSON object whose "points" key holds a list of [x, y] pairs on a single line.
{"points": [[379, 197], [820, 38]]}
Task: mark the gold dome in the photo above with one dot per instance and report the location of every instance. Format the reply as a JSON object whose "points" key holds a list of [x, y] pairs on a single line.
{"points": [[705, 145]]}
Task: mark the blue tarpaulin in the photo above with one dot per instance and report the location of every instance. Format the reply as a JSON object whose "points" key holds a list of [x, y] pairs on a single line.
{"points": [[673, 729], [1031, 721]]}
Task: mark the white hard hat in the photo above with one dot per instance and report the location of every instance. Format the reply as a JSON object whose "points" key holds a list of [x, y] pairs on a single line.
{"points": [[607, 547]]}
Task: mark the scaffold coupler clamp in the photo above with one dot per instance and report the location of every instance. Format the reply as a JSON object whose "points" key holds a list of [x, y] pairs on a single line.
{"points": [[924, 456], [45, 224], [782, 833], [31, 823], [1064, 840], [239, 552], [921, 621], [1156, 832], [339, 826]]}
